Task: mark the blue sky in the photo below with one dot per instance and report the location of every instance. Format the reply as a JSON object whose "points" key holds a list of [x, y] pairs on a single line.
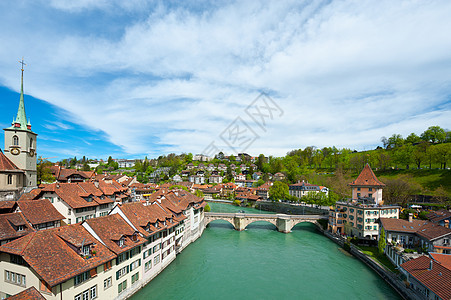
{"points": [[135, 78]]}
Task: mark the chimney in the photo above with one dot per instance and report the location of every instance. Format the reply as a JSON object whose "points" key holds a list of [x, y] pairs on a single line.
{"points": [[430, 266], [410, 217]]}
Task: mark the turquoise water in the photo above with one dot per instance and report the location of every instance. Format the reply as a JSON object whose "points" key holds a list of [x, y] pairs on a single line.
{"points": [[229, 208], [261, 263]]}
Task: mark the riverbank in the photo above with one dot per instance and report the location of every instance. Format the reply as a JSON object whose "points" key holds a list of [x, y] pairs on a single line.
{"points": [[392, 279], [262, 263], [289, 209]]}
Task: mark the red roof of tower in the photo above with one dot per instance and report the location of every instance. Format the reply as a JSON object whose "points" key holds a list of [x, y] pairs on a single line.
{"points": [[367, 177]]}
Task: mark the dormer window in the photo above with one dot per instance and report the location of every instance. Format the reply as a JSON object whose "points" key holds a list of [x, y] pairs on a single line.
{"points": [[121, 242], [156, 224], [85, 250], [20, 228]]}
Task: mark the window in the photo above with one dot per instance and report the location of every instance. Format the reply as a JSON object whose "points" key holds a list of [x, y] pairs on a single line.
{"points": [[121, 242], [88, 294], [370, 195], [156, 247], [107, 283], [10, 179], [122, 286], [69, 211], [358, 195], [122, 272], [31, 142], [148, 265], [147, 253], [107, 266], [370, 189], [15, 140], [358, 189], [85, 250], [15, 278], [81, 277], [44, 287], [156, 259], [135, 264], [135, 278]]}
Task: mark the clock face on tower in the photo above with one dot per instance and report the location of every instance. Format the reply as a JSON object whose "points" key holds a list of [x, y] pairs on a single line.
{"points": [[15, 151], [31, 153]]}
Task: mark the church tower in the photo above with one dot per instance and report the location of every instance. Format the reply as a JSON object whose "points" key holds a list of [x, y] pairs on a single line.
{"points": [[20, 143]]}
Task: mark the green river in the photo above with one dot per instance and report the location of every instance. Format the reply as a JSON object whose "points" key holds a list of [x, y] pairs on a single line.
{"points": [[261, 263]]}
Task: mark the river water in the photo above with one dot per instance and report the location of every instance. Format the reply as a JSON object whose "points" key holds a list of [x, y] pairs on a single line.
{"points": [[261, 263]]}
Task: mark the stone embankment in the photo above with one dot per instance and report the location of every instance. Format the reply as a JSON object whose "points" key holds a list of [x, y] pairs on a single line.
{"points": [[392, 279]]}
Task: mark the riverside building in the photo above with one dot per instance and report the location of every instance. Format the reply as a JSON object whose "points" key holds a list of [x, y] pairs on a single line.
{"points": [[359, 216], [109, 257]]}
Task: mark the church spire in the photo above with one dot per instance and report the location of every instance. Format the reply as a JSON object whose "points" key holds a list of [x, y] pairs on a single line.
{"points": [[21, 119]]}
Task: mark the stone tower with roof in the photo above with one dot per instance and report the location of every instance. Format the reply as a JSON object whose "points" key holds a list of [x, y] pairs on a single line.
{"points": [[367, 186], [20, 143]]}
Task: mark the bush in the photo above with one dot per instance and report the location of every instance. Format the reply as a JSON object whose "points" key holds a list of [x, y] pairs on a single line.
{"points": [[237, 202], [347, 246], [207, 208]]}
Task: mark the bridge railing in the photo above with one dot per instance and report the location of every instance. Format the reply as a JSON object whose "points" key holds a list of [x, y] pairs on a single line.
{"points": [[264, 216]]}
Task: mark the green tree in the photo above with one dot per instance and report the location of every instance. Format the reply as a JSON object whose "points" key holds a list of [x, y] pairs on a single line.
{"points": [[199, 194], [442, 154], [85, 167], [278, 191], [413, 139], [395, 140], [434, 134], [260, 162], [207, 208], [382, 243]]}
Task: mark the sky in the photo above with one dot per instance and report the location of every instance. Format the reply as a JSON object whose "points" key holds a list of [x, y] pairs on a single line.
{"points": [[144, 78]]}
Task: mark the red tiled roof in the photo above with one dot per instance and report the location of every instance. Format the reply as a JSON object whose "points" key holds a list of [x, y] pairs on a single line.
{"points": [[10, 222], [7, 204], [367, 178], [438, 216], [425, 229], [140, 216], [401, 225], [29, 294], [111, 228], [6, 164], [443, 259], [432, 231], [50, 255], [30, 195], [437, 279], [39, 211]]}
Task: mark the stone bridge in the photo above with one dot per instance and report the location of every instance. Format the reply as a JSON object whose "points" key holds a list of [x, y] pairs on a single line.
{"points": [[284, 223]]}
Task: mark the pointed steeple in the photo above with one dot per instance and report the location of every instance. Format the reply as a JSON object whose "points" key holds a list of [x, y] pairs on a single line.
{"points": [[21, 119]]}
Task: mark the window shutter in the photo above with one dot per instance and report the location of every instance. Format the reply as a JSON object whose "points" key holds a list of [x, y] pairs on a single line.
{"points": [[117, 275], [128, 269], [93, 272], [139, 262]]}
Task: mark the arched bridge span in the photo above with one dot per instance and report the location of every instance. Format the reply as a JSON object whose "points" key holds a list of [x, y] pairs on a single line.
{"points": [[284, 223]]}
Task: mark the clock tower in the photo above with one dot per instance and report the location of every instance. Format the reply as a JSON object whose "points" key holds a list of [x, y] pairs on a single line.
{"points": [[20, 143]]}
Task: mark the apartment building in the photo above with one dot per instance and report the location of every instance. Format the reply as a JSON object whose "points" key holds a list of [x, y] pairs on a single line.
{"points": [[360, 215]]}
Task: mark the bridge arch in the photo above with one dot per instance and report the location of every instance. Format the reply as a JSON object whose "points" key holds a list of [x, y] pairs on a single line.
{"points": [[251, 221], [228, 220], [296, 222]]}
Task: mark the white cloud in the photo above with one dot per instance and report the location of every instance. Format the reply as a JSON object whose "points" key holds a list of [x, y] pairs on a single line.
{"points": [[345, 73]]}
